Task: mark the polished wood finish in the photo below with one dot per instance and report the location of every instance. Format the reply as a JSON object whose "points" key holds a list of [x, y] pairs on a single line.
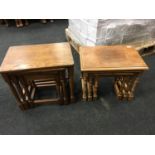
{"points": [[27, 57], [121, 62], [26, 68], [107, 58]]}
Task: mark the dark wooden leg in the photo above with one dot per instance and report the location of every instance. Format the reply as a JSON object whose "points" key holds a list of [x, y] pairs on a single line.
{"points": [[71, 83], [60, 92], [61, 89], [89, 87], [64, 91], [21, 92], [25, 86], [95, 88]]}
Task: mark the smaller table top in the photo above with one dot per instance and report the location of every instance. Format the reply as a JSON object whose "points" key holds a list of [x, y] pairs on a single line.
{"points": [[37, 57], [110, 58]]}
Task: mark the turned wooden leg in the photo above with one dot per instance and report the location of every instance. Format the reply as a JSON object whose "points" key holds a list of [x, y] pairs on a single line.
{"points": [[133, 87], [95, 88], [117, 91], [64, 91], [82, 84], [84, 88], [71, 83], [125, 87], [60, 92], [89, 87], [129, 85], [119, 88]]}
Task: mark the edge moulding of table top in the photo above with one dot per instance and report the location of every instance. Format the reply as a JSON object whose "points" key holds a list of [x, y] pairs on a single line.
{"points": [[121, 62], [28, 67]]}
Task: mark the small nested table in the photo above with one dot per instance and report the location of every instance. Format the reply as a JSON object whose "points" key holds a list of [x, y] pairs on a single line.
{"points": [[121, 62], [27, 68]]}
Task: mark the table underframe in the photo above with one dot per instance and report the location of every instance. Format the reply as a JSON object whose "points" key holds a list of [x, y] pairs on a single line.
{"points": [[24, 92], [125, 83]]}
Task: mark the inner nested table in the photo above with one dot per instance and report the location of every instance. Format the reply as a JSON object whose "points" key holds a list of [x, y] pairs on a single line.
{"points": [[27, 67], [121, 62]]}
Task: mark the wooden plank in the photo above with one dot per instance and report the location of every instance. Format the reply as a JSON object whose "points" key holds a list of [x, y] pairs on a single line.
{"points": [[47, 101]]}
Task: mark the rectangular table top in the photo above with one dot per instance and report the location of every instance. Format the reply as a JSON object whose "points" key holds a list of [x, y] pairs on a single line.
{"points": [[110, 58], [39, 56]]}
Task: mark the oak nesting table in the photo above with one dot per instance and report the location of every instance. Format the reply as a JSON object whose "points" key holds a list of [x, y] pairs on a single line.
{"points": [[121, 62], [27, 68]]}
